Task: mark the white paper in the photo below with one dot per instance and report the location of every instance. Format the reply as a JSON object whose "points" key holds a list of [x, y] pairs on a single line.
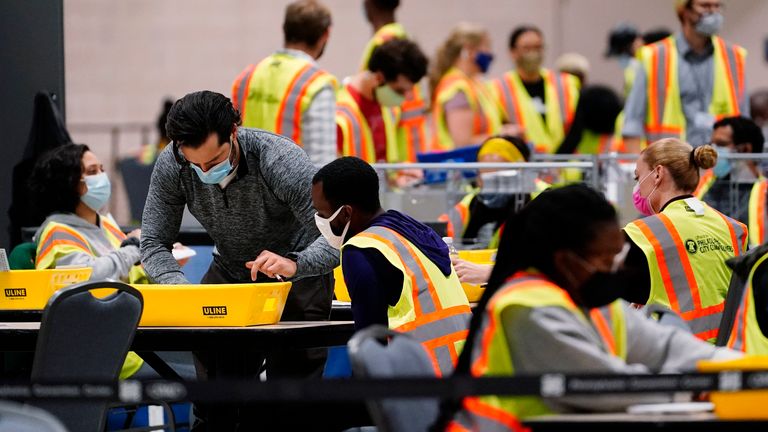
{"points": [[680, 407], [183, 253], [4, 261]]}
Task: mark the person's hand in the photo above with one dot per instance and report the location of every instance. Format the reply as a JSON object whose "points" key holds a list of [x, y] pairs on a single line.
{"points": [[468, 272], [272, 265], [407, 177], [178, 246], [135, 233]]}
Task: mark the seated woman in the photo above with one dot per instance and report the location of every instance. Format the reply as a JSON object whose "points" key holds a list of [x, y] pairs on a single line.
{"points": [[70, 185], [552, 306]]}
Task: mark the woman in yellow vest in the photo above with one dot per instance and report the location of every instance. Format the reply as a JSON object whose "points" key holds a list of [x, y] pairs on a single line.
{"points": [[683, 242], [551, 306], [463, 109], [69, 184]]}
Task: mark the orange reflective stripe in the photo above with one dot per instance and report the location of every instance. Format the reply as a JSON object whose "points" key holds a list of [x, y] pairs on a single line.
{"points": [[454, 426], [761, 215], [480, 408], [703, 312], [447, 340], [359, 139], [113, 229], [281, 110], [426, 318], [706, 335], [739, 71], [662, 261], [516, 103], [728, 74], [53, 243], [601, 324], [297, 109], [242, 91], [681, 251], [704, 183], [734, 241]]}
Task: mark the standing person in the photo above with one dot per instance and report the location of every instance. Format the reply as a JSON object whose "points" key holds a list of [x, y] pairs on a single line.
{"points": [[368, 106], [412, 128], [540, 101], [682, 242], [662, 105], [623, 42], [250, 190], [397, 270], [463, 109], [552, 306], [287, 92]]}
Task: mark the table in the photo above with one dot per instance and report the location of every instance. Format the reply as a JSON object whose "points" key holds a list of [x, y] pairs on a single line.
{"points": [[640, 422], [22, 336]]}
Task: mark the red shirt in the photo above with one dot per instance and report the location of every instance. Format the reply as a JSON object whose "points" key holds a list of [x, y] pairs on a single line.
{"points": [[372, 113]]}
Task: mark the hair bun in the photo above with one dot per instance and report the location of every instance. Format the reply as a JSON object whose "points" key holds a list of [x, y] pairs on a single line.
{"points": [[704, 157]]}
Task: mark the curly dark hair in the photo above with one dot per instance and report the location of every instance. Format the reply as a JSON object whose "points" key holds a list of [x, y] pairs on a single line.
{"points": [[55, 179], [399, 56]]}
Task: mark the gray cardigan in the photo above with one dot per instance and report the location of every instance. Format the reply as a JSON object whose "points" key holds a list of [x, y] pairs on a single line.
{"points": [[267, 206]]}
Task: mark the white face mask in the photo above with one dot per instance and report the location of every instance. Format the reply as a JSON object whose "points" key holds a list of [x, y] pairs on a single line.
{"points": [[324, 225]]}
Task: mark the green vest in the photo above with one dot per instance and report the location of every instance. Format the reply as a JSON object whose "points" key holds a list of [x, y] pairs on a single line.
{"points": [[561, 95], [274, 94], [491, 355], [664, 116], [487, 115], [746, 335], [356, 135], [686, 246], [432, 307]]}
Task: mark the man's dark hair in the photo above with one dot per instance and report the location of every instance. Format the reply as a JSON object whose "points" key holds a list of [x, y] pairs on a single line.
{"points": [[305, 22], [519, 31], [399, 56], [197, 115], [386, 5], [745, 131], [55, 179], [350, 181]]}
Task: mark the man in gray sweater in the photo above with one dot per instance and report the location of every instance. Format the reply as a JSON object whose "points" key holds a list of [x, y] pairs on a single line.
{"points": [[250, 190]]}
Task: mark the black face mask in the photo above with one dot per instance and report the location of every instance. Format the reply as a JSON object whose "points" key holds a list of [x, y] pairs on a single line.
{"points": [[603, 288]]}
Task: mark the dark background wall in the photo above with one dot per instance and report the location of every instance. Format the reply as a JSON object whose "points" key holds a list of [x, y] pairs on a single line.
{"points": [[31, 60]]}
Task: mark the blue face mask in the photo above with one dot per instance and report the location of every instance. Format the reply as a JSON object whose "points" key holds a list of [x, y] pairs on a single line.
{"points": [[483, 61], [218, 172], [723, 166], [99, 190]]}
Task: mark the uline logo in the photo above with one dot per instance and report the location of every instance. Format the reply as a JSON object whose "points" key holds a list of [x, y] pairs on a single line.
{"points": [[15, 292], [214, 310]]}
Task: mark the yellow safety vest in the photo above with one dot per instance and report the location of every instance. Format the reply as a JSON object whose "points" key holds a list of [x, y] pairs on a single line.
{"points": [[357, 138], [665, 117], [412, 129], [274, 94], [686, 255], [758, 218], [561, 95], [487, 115], [491, 355], [57, 240], [432, 307], [593, 143], [746, 335]]}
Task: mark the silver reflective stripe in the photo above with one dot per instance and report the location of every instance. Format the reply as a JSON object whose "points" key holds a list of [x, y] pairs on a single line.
{"points": [[411, 114], [422, 284], [705, 323], [357, 133], [292, 100], [739, 232], [509, 100], [661, 82], [560, 88], [674, 263], [444, 361], [731, 54], [441, 327], [56, 235], [242, 90]]}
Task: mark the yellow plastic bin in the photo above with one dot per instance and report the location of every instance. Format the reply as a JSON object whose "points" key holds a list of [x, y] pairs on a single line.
{"points": [[741, 405], [482, 256], [31, 289], [340, 288], [227, 305]]}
